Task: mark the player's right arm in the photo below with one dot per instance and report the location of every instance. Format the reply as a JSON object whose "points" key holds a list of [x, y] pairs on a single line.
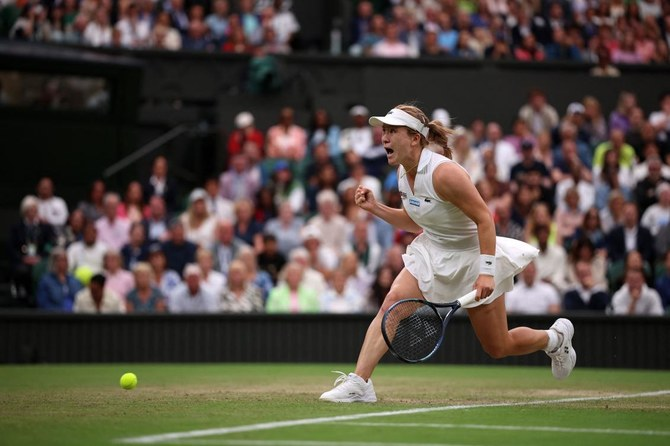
{"points": [[398, 218]]}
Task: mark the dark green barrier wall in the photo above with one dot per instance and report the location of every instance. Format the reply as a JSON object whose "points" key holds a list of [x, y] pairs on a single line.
{"points": [[29, 337], [73, 147]]}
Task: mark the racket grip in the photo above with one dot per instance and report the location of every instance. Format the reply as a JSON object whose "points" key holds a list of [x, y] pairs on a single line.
{"points": [[468, 298]]}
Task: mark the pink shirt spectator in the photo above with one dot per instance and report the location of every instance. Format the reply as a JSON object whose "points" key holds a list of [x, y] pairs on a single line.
{"points": [[121, 282], [623, 56], [645, 49], [133, 214], [115, 233], [392, 49], [567, 222], [288, 143]]}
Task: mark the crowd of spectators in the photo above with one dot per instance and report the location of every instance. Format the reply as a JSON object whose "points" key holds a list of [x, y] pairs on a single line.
{"points": [[278, 231], [600, 31], [593, 31], [251, 26]]}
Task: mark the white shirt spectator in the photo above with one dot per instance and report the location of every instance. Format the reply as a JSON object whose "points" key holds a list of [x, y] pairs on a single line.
{"points": [[586, 190], [630, 238], [214, 282], [655, 217], [358, 140], [134, 33], [111, 303], [505, 157], [181, 301], [170, 40], [535, 299], [285, 25], [551, 266], [641, 171], [349, 301], [203, 235], [314, 280], [334, 232], [539, 121], [651, 8], [80, 254], [97, 35], [648, 305], [221, 208], [53, 210]]}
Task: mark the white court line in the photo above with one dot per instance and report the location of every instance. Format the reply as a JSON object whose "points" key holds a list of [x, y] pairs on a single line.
{"points": [[223, 442], [569, 430], [160, 438]]}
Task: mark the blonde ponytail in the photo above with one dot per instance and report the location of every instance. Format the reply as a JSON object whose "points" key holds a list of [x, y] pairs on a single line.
{"points": [[439, 135]]}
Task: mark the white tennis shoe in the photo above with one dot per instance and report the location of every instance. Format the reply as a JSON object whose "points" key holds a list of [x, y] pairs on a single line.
{"points": [[563, 359], [350, 388]]}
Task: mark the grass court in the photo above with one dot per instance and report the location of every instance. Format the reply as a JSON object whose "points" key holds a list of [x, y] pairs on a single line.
{"points": [[277, 404]]}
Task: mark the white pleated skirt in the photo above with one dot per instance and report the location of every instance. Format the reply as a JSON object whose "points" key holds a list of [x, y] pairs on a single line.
{"points": [[445, 275]]}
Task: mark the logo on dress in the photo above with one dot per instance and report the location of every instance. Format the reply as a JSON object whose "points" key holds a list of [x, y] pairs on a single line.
{"points": [[415, 202]]}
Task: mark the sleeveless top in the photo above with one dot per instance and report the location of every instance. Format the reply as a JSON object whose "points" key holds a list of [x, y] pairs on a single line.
{"points": [[442, 222]]}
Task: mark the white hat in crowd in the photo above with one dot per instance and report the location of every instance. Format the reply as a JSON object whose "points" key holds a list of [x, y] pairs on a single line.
{"points": [[197, 194], [311, 232], [27, 202], [443, 116], [575, 107], [359, 110], [191, 269], [244, 119]]}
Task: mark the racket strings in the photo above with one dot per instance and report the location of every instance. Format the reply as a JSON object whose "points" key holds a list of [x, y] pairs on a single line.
{"points": [[414, 330]]}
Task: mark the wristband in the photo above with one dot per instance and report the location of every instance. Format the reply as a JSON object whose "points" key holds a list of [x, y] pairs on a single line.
{"points": [[487, 264]]}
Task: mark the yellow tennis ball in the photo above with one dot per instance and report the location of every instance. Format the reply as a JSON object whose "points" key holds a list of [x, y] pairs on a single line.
{"points": [[83, 274], [128, 381]]}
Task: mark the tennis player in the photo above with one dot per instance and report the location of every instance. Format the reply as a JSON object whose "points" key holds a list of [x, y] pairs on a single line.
{"points": [[457, 251]]}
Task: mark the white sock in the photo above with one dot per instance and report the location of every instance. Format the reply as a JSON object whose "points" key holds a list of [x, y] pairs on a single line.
{"points": [[554, 341]]}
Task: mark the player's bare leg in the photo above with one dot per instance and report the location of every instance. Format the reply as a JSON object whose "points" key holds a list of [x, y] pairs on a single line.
{"points": [[490, 325], [374, 347], [357, 387]]}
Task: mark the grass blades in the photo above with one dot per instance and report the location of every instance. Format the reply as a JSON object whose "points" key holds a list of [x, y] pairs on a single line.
{"points": [[84, 405]]}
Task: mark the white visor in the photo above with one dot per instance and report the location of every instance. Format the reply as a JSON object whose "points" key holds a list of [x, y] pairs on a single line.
{"points": [[397, 117]]}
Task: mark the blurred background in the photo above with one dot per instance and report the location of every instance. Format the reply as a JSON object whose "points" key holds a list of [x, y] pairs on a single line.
{"points": [[173, 158]]}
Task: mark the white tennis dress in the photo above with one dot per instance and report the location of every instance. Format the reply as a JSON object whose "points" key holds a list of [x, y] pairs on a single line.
{"points": [[445, 257]]}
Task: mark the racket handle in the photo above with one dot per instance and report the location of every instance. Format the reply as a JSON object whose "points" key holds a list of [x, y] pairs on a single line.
{"points": [[468, 298]]}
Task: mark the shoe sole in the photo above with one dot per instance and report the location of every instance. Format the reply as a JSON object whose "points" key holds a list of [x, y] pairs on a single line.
{"points": [[349, 400]]}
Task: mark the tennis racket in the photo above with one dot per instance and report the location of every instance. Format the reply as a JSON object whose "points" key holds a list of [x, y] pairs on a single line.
{"points": [[414, 328]]}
